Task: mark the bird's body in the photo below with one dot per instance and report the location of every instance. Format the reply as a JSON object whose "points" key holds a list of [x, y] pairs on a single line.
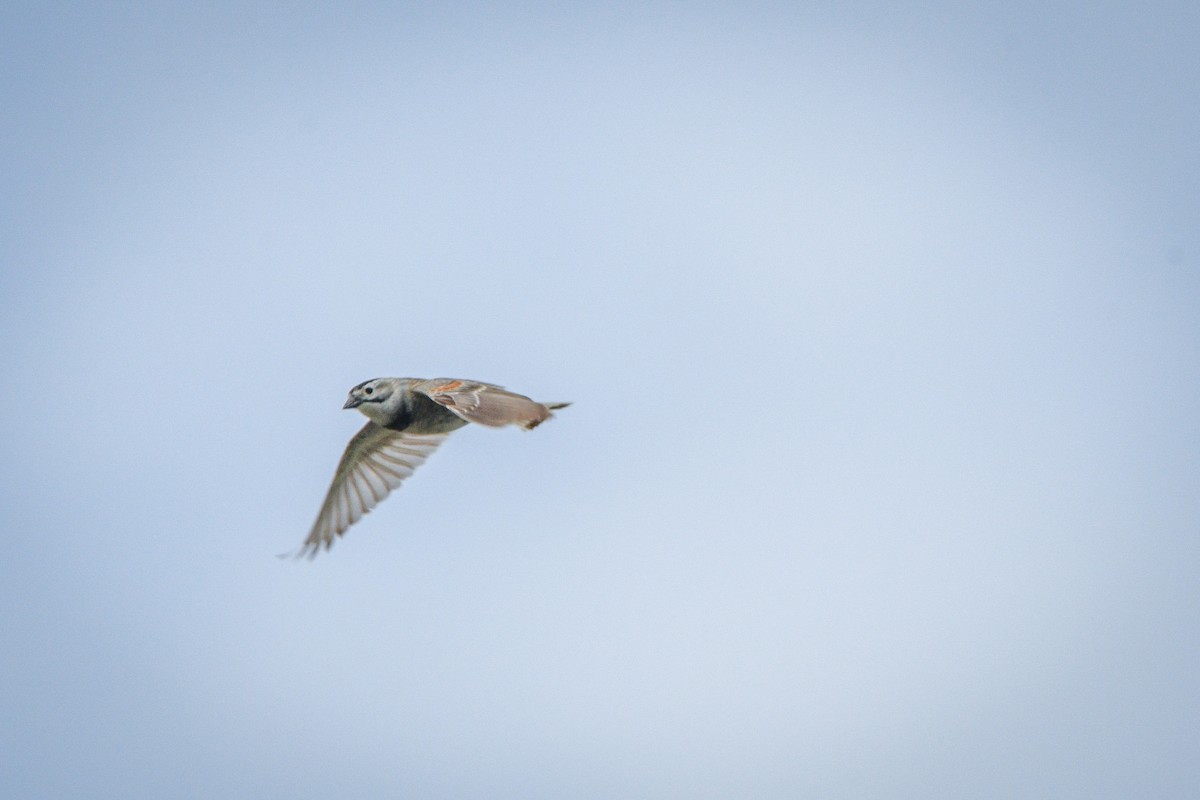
{"points": [[408, 419], [410, 410]]}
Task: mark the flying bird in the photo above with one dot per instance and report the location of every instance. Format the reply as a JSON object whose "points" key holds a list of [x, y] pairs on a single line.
{"points": [[407, 419]]}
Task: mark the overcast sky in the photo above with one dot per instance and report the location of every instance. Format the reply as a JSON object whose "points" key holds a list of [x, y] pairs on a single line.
{"points": [[882, 326]]}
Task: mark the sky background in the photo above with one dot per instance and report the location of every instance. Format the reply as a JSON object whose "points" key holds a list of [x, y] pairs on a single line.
{"points": [[882, 325]]}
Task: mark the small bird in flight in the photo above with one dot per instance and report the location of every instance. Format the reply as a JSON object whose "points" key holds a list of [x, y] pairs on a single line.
{"points": [[407, 419]]}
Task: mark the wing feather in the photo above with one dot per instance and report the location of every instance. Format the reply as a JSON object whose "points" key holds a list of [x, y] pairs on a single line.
{"points": [[485, 403], [375, 462]]}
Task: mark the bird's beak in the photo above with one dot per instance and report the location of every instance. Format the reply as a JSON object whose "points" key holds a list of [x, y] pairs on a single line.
{"points": [[352, 402]]}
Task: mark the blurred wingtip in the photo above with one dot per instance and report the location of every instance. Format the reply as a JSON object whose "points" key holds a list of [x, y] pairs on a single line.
{"points": [[306, 551]]}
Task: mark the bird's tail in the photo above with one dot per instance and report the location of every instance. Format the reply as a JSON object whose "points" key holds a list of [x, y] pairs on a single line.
{"points": [[533, 423]]}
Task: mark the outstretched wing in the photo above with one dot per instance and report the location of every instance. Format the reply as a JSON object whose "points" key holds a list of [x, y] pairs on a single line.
{"points": [[485, 403], [376, 461]]}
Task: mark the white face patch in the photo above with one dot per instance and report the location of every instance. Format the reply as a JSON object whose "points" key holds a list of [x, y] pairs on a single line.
{"points": [[376, 412], [380, 412]]}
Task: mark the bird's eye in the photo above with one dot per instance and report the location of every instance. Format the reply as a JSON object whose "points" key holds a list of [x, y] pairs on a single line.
{"points": [[368, 390]]}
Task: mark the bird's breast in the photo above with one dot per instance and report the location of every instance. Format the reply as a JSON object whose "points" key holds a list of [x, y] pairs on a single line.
{"points": [[419, 414]]}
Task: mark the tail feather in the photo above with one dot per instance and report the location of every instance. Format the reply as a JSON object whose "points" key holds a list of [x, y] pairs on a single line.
{"points": [[533, 423]]}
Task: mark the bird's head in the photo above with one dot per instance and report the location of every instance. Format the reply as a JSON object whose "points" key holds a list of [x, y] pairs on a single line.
{"points": [[377, 398]]}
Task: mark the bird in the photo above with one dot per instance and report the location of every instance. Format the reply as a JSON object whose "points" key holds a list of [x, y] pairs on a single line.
{"points": [[407, 419]]}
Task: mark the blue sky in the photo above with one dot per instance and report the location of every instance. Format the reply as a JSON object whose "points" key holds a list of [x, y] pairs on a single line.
{"points": [[881, 328]]}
